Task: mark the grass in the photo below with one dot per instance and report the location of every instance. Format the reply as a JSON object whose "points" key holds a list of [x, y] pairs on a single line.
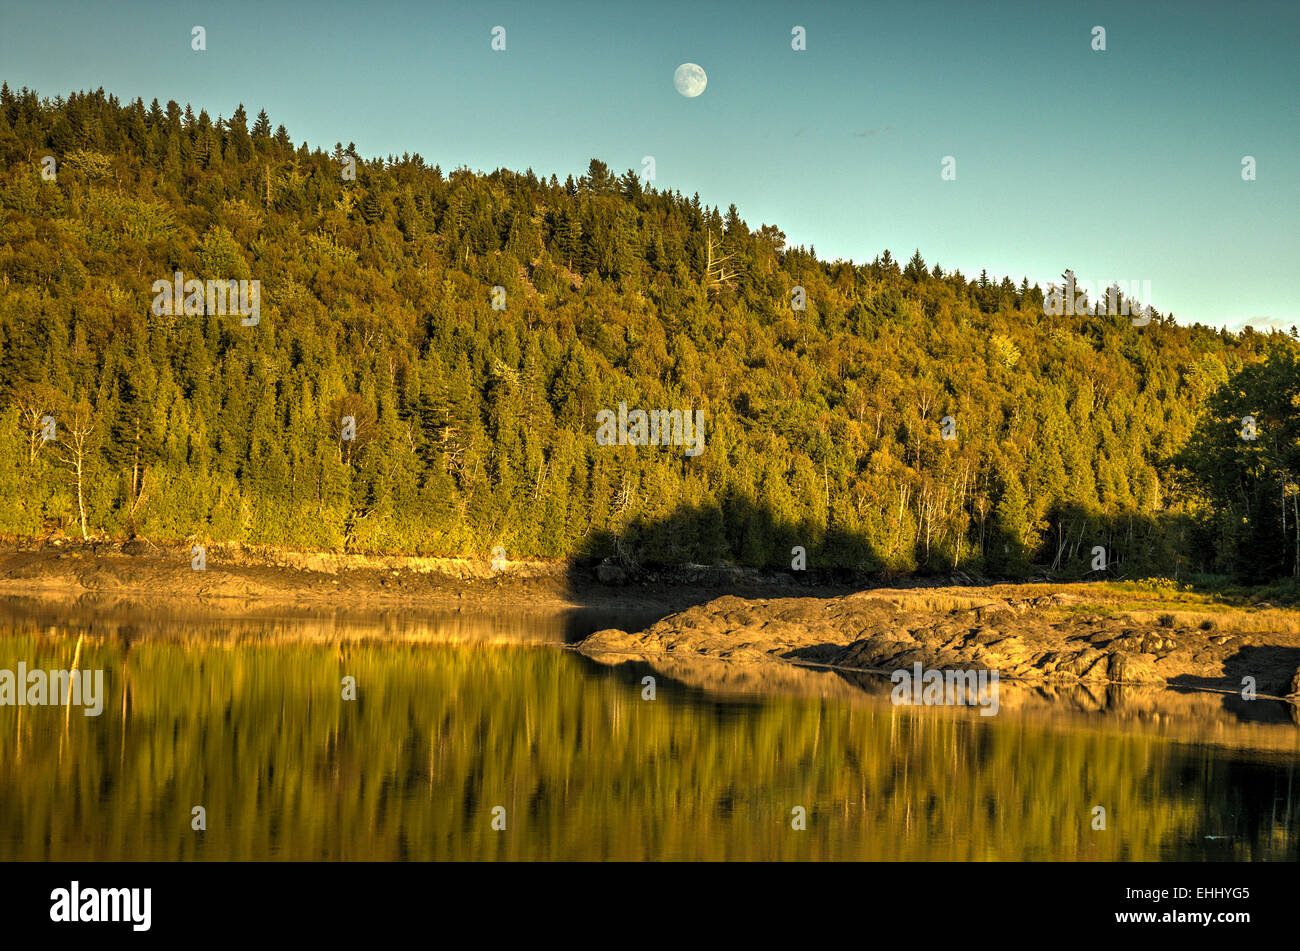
{"points": [[1218, 607], [1207, 602]]}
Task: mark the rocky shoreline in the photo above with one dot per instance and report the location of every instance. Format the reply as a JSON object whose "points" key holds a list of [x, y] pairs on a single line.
{"points": [[1046, 638], [1040, 633]]}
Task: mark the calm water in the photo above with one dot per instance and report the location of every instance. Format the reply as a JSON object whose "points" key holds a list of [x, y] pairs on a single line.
{"points": [[458, 714]]}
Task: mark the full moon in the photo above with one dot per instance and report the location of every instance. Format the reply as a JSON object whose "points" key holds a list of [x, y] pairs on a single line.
{"points": [[690, 80]]}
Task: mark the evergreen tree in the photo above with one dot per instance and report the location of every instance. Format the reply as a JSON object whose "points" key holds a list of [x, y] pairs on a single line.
{"points": [[822, 426]]}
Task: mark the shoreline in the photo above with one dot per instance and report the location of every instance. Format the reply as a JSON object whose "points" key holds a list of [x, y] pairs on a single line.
{"points": [[65, 569], [1041, 636], [1036, 633]]}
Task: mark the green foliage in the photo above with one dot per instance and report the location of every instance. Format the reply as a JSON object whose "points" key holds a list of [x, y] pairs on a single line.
{"points": [[1160, 586], [822, 425], [1244, 457]]}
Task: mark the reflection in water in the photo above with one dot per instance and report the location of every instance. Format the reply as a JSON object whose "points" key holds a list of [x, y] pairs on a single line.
{"points": [[246, 719]]}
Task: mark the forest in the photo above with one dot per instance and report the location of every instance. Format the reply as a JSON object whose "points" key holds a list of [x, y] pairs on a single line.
{"points": [[432, 350]]}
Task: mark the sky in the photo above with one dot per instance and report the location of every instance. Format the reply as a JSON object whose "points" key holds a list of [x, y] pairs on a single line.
{"points": [[1122, 165]]}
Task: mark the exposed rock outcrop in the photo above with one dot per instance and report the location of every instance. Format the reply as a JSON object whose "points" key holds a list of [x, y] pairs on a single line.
{"points": [[1045, 638]]}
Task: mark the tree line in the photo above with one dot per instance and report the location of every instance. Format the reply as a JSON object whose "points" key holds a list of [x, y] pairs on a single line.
{"points": [[471, 325]]}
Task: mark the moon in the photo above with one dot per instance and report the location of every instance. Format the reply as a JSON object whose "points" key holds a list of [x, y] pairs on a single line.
{"points": [[690, 80]]}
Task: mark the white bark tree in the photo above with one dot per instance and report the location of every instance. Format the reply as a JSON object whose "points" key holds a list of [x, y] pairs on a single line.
{"points": [[79, 438]]}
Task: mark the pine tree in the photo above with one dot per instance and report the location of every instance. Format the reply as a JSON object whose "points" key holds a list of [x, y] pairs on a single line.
{"points": [[239, 142], [262, 128]]}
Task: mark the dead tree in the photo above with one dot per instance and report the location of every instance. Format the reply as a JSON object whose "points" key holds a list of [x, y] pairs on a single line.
{"points": [[715, 273]]}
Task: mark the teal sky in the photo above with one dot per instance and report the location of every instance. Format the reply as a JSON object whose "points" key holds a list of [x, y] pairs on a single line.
{"points": [[1122, 165]]}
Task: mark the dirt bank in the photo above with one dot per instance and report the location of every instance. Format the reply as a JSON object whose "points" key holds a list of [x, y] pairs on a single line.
{"points": [[1050, 634], [60, 569]]}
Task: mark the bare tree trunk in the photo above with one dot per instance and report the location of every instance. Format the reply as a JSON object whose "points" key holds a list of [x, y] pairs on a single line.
{"points": [[81, 443], [135, 464], [81, 500], [826, 487]]}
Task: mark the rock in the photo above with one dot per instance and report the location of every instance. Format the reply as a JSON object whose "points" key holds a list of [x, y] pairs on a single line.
{"points": [[888, 629], [1130, 669], [988, 612]]}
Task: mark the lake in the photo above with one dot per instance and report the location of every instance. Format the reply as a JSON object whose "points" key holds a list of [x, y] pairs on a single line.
{"points": [[240, 710]]}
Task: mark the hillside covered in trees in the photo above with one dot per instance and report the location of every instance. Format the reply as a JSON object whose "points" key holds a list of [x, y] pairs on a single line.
{"points": [[475, 411]]}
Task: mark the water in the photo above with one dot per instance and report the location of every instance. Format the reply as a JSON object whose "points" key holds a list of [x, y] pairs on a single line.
{"points": [[240, 711]]}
